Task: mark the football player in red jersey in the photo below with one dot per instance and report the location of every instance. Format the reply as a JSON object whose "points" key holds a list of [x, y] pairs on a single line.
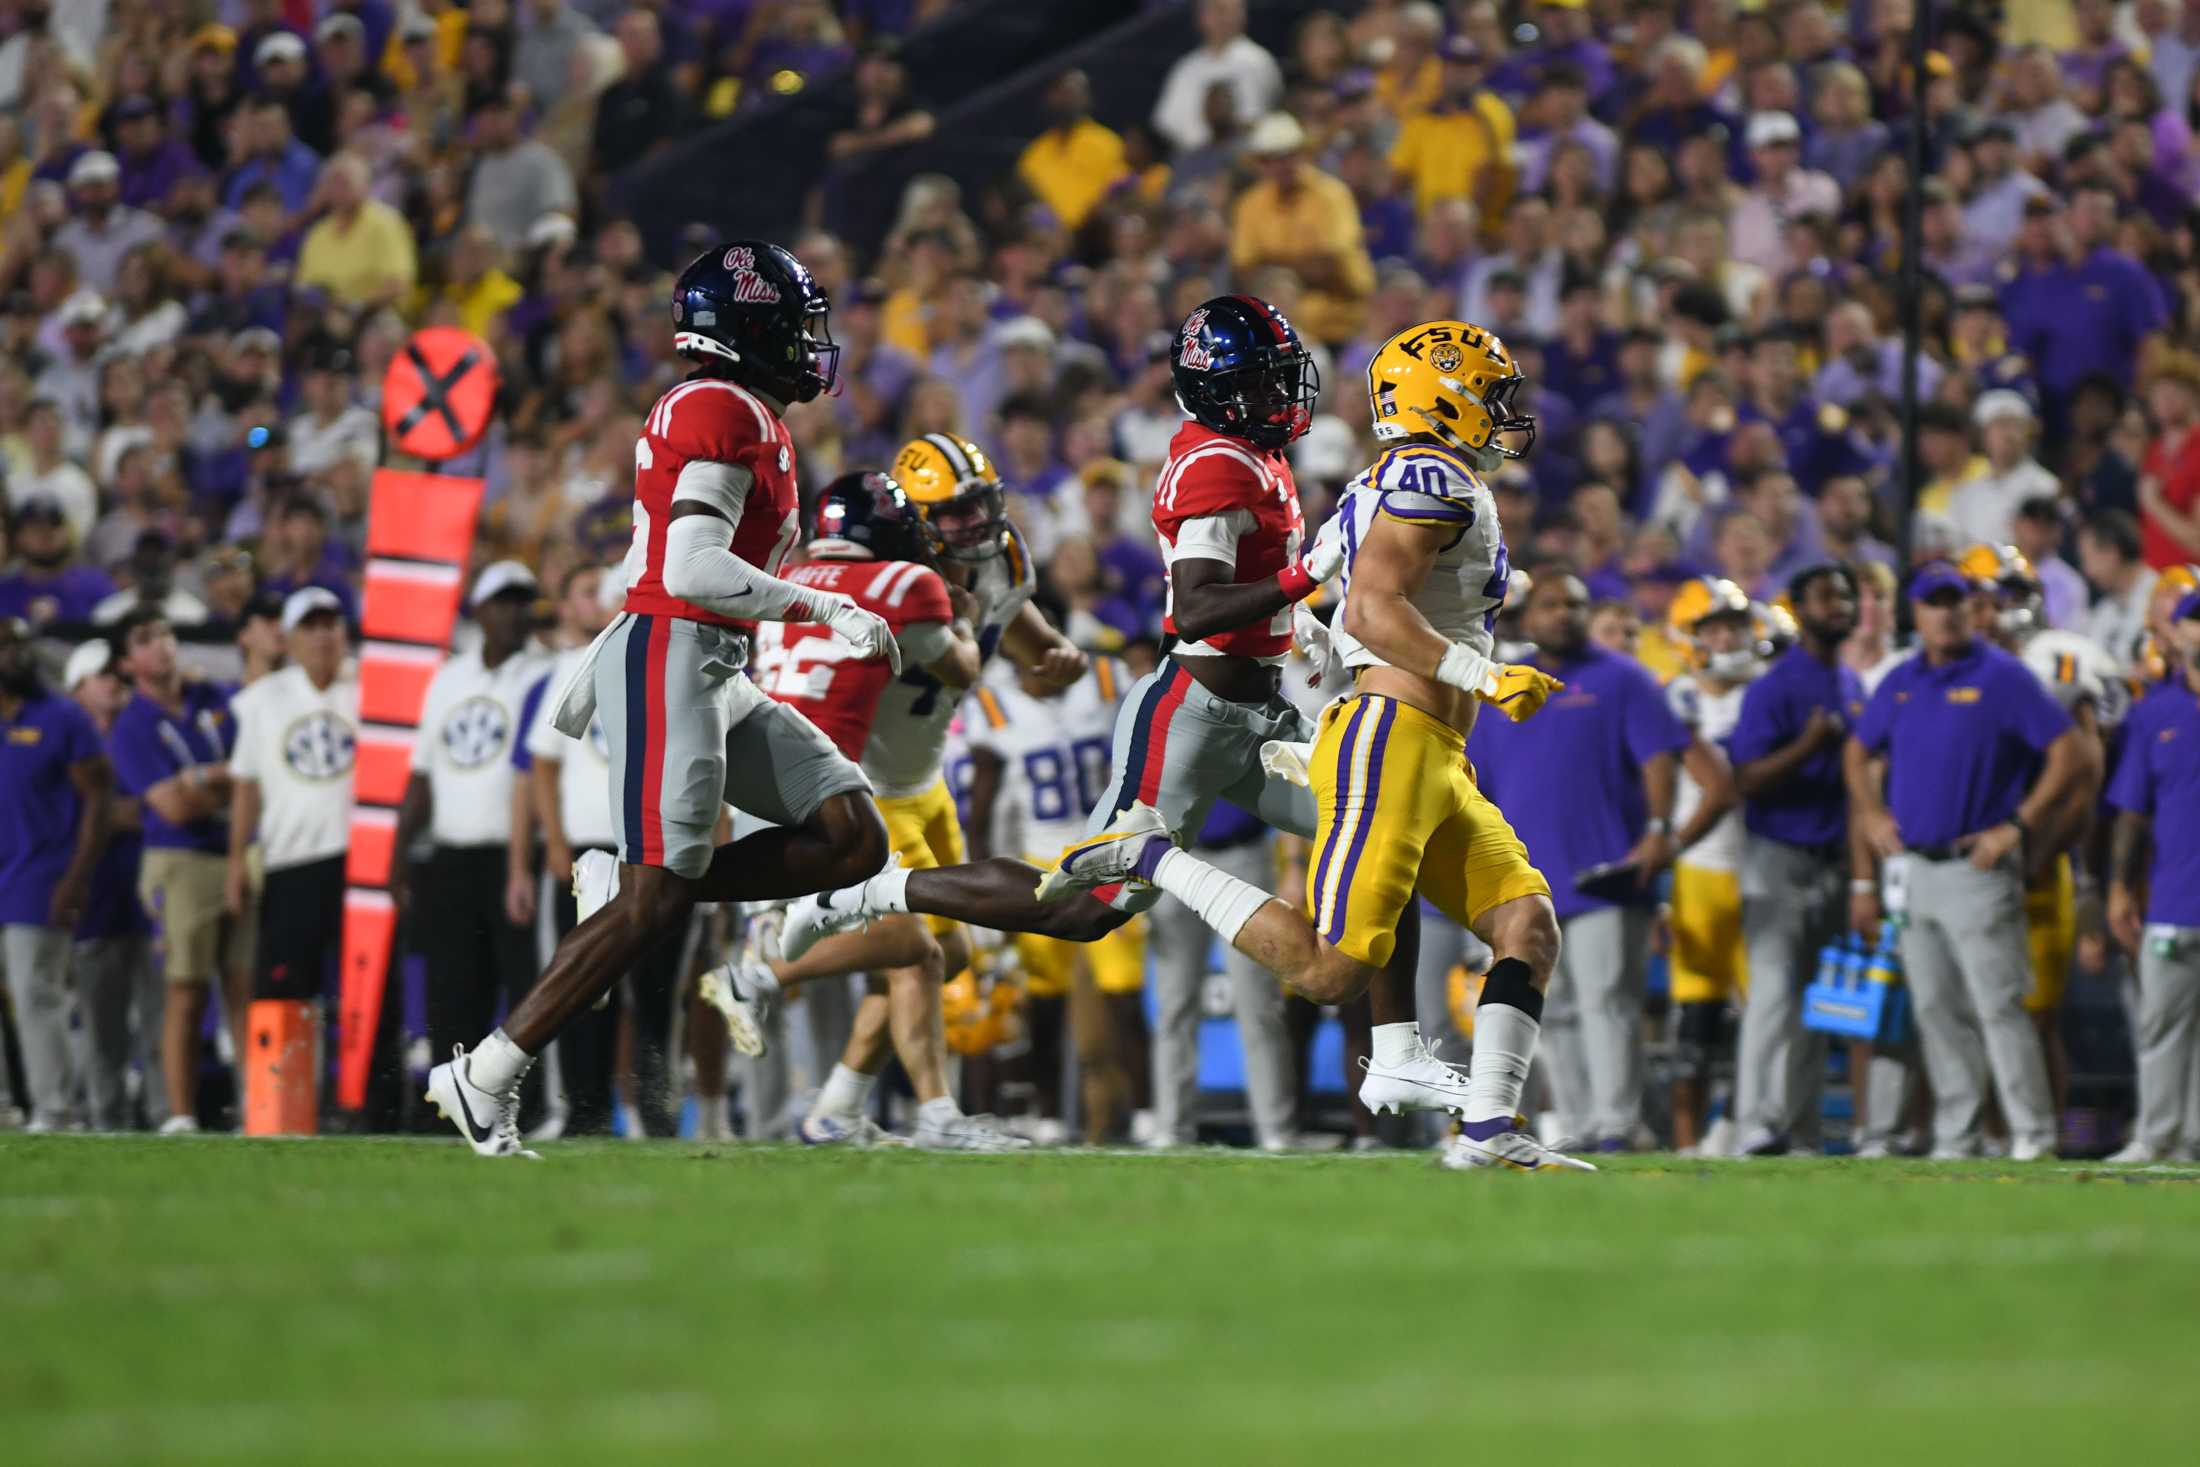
{"points": [[714, 515], [870, 542], [1226, 510]]}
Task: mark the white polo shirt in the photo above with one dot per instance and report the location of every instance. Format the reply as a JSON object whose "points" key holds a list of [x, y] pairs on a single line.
{"points": [[584, 766], [467, 726], [298, 743]]}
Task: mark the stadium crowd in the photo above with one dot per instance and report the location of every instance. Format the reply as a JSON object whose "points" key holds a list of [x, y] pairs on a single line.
{"points": [[220, 219]]}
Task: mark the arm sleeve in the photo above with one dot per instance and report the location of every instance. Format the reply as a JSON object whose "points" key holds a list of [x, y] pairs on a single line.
{"points": [[140, 761], [924, 642], [723, 487], [1213, 536], [1651, 727], [700, 566], [1876, 727], [530, 719], [2131, 787]]}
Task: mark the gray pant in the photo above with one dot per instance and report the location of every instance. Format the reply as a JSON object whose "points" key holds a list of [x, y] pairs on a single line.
{"points": [[1444, 945], [1965, 958], [1792, 905], [2168, 1035], [37, 962], [1592, 1023], [123, 997], [1181, 946], [806, 1037]]}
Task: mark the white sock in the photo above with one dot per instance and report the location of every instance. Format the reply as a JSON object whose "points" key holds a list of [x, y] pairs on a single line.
{"points": [[1504, 1044], [498, 1064], [1395, 1044], [887, 892], [1221, 900], [938, 1111], [846, 1092]]}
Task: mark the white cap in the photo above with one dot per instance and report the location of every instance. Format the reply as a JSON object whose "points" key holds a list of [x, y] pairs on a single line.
{"points": [[551, 229], [83, 307], [337, 23], [2001, 403], [307, 600], [96, 166], [86, 661], [1025, 331], [1275, 135], [279, 46], [504, 575], [1768, 128]]}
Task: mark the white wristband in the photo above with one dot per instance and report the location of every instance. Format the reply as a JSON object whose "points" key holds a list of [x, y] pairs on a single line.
{"points": [[1468, 670]]}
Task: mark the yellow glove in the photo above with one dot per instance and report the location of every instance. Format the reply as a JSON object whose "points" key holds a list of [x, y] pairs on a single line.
{"points": [[1519, 690]]}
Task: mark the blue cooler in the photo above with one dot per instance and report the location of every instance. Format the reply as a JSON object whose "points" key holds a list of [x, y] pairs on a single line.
{"points": [[1859, 993]]}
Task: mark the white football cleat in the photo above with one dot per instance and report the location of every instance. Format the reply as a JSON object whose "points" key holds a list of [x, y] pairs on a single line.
{"points": [[2135, 1153], [180, 1126], [744, 990], [966, 1133], [1110, 856], [1501, 1143], [1290, 762], [810, 920], [711, 1123], [858, 1132], [490, 1123], [595, 883], [1423, 1082]]}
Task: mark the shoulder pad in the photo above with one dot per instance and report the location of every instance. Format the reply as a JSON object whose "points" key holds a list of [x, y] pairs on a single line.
{"points": [[1685, 699]]}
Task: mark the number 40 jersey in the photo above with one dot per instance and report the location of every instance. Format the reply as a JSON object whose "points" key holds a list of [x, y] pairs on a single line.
{"points": [[1054, 754], [1426, 485]]}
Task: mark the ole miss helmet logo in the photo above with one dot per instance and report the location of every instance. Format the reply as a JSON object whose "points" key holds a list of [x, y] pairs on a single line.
{"points": [[1194, 353], [747, 284]]}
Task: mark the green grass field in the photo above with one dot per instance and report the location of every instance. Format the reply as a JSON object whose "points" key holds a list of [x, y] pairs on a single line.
{"points": [[382, 1301]]}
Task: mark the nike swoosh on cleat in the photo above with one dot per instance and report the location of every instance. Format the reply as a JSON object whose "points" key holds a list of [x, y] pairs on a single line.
{"points": [[473, 1132]]}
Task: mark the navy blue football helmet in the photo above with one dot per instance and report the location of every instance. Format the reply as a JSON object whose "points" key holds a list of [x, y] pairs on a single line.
{"points": [[753, 310], [1241, 369], [867, 509]]}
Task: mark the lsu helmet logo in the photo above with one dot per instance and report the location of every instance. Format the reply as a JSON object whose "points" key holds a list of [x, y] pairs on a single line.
{"points": [[1446, 357], [747, 284], [1194, 353]]}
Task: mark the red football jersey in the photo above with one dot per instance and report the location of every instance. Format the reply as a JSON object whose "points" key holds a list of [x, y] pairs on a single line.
{"points": [[804, 664], [1212, 476], [708, 420]]}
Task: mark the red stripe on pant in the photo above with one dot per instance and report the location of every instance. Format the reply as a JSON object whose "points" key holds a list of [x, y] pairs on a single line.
{"points": [[1157, 734], [653, 754]]}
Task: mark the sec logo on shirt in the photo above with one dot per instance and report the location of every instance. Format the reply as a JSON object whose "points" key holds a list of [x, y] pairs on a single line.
{"points": [[319, 746], [476, 731]]}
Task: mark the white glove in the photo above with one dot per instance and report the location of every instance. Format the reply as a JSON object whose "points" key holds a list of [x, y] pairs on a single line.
{"points": [[865, 631], [1287, 761], [1325, 557], [1312, 637]]}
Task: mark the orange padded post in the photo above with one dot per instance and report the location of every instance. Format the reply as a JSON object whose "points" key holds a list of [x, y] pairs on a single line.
{"points": [[282, 1089]]}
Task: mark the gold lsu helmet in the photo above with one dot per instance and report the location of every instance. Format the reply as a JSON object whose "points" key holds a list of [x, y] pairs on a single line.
{"points": [[1454, 381], [1697, 602], [2001, 571], [958, 492]]}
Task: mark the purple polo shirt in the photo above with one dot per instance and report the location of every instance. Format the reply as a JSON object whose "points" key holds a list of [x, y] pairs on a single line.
{"points": [[2076, 321], [1963, 742], [37, 747], [1570, 778], [67, 597], [1812, 807], [2159, 776], [149, 744]]}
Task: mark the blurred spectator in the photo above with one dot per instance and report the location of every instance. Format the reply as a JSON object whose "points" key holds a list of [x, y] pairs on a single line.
{"points": [[296, 552], [1225, 54], [283, 77], [361, 251], [885, 115], [331, 429], [1784, 190], [151, 163], [1844, 508], [2036, 529], [1559, 118], [2000, 188], [1305, 220], [1983, 507], [1461, 146], [2109, 552], [1075, 161], [101, 228], [2169, 480], [49, 478], [642, 110], [1531, 265], [152, 573], [268, 152], [1847, 138], [516, 179], [551, 35], [2080, 305]]}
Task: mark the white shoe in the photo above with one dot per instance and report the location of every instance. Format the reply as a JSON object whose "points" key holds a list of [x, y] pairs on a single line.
{"points": [[1110, 856], [810, 920], [551, 1127], [1501, 1143], [2135, 1153], [180, 1126], [745, 990], [1718, 1138], [490, 1123], [2031, 1151], [595, 883], [858, 1133], [711, 1123], [1423, 1082], [1873, 1151], [1955, 1151], [966, 1133], [1041, 1130]]}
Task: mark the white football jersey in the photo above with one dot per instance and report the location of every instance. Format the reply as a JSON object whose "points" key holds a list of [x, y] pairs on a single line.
{"points": [[1054, 755], [1424, 484], [2076, 669], [909, 729], [1712, 716]]}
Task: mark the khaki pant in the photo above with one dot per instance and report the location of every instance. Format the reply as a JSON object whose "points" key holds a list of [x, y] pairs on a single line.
{"points": [[183, 891]]}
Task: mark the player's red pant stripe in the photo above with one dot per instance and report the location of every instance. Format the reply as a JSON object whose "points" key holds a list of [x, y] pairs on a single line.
{"points": [[653, 754], [1157, 733]]}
